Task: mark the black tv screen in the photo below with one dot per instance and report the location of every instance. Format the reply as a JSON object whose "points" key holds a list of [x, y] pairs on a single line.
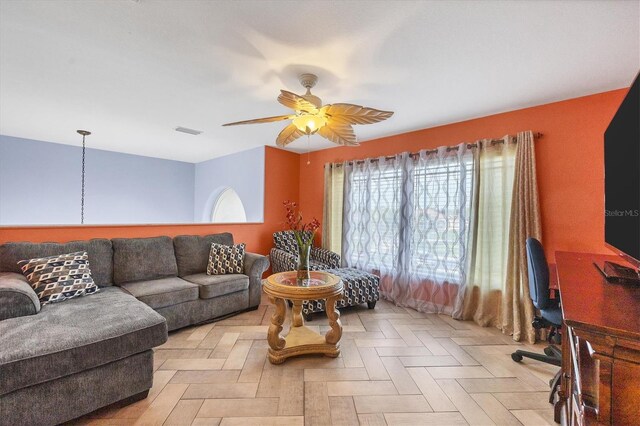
{"points": [[622, 176]]}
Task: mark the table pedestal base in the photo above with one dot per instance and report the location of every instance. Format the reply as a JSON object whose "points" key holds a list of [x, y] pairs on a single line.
{"points": [[302, 341]]}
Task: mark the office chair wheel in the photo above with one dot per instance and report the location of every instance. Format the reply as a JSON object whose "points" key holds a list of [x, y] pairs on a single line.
{"points": [[516, 357], [548, 351]]}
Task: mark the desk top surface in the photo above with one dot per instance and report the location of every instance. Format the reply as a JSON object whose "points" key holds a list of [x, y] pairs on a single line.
{"points": [[589, 300]]}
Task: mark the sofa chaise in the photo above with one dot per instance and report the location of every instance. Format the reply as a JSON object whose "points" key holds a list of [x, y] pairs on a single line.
{"points": [[63, 360]]}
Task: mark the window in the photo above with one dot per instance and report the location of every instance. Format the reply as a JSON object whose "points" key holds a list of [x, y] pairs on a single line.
{"points": [[441, 210], [375, 203], [228, 208], [412, 218]]}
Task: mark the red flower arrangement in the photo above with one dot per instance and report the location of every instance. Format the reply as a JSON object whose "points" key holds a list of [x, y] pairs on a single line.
{"points": [[294, 219], [304, 233]]}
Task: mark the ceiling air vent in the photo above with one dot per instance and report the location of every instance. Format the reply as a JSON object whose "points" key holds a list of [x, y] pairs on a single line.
{"points": [[189, 131]]}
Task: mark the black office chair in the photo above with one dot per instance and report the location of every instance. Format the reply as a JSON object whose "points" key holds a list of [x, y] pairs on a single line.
{"points": [[550, 311]]}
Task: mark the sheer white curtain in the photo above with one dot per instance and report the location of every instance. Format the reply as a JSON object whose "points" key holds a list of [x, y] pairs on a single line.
{"points": [[372, 211], [408, 219], [489, 243]]}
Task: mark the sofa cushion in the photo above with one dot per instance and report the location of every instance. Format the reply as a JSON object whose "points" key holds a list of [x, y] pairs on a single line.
{"points": [[218, 285], [60, 277], [163, 292], [82, 333], [192, 251], [142, 259], [17, 298], [99, 251]]}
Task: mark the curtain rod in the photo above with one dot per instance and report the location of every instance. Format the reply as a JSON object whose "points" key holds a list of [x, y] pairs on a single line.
{"points": [[536, 135]]}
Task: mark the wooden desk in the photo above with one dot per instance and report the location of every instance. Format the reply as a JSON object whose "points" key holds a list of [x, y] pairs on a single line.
{"points": [[600, 346]]}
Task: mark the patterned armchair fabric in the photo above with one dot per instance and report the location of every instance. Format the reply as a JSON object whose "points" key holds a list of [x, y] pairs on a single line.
{"points": [[284, 255], [359, 287], [326, 257], [282, 261], [286, 241]]}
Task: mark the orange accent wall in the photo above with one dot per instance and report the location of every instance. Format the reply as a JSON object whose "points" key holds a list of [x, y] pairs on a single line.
{"points": [[281, 182], [569, 158], [570, 166]]}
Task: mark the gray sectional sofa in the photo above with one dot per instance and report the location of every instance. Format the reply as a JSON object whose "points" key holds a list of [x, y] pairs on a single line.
{"points": [[63, 360]]}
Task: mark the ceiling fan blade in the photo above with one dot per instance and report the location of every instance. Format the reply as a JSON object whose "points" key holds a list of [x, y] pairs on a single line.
{"points": [[339, 133], [262, 120], [296, 102], [288, 135], [355, 114]]}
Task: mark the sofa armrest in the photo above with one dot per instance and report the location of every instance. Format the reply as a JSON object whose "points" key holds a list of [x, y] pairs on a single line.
{"points": [[282, 261], [17, 298], [329, 258], [254, 267]]}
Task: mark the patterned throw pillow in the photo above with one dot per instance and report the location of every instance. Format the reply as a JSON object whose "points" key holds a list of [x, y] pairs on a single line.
{"points": [[58, 278], [225, 259]]}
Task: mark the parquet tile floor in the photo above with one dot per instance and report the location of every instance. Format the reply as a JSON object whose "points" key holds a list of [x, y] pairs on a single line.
{"points": [[397, 367]]}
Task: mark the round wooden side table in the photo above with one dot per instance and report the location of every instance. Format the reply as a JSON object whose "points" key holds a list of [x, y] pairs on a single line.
{"points": [[302, 340]]}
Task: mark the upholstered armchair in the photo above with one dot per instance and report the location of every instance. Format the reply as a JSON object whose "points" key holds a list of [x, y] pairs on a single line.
{"points": [[284, 254]]}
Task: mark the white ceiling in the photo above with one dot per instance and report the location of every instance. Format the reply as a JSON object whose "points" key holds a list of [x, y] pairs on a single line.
{"points": [[132, 71]]}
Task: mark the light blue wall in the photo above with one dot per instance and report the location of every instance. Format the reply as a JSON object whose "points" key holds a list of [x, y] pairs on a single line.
{"points": [[40, 184], [243, 171], [138, 189]]}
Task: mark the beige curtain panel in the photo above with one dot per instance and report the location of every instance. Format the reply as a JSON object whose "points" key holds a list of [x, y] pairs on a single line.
{"points": [[489, 233], [517, 307], [507, 213], [333, 207]]}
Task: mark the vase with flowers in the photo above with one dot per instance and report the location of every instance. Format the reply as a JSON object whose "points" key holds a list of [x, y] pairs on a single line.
{"points": [[304, 234]]}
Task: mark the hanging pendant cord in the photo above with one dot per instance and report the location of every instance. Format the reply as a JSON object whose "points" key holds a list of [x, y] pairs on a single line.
{"points": [[82, 195], [308, 149], [84, 134]]}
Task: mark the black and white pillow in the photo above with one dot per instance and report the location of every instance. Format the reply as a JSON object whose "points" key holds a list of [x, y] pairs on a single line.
{"points": [[225, 259], [61, 277]]}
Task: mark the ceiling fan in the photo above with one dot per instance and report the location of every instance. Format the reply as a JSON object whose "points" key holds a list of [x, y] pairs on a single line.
{"points": [[333, 121]]}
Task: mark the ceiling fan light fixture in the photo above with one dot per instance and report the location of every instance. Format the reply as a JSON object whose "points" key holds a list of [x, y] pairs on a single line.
{"points": [[309, 123], [333, 122]]}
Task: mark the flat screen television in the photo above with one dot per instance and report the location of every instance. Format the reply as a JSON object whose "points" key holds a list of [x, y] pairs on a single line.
{"points": [[622, 178]]}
